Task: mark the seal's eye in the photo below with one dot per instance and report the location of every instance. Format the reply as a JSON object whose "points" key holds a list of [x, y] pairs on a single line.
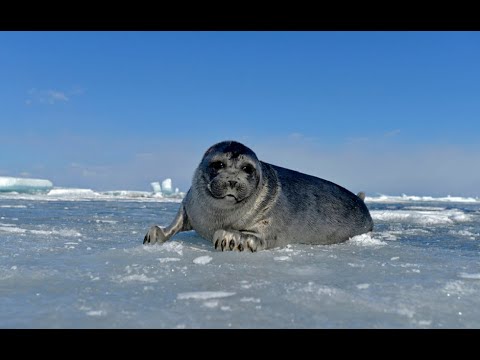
{"points": [[249, 169], [217, 165]]}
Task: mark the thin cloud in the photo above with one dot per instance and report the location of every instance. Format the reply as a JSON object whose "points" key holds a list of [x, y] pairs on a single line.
{"points": [[299, 137], [392, 133], [145, 155], [87, 171], [359, 140], [51, 96], [296, 136]]}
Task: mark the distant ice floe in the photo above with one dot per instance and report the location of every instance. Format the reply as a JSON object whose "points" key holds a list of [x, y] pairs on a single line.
{"points": [[39, 189], [72, 192], [422, 217], [20, 185], [407, 198]]}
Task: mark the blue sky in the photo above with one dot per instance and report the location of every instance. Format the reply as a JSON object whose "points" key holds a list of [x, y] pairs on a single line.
{"points": [[383, 112]]}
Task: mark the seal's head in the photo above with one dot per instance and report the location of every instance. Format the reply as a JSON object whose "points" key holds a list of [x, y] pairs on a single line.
{"points": [[229, 172]]}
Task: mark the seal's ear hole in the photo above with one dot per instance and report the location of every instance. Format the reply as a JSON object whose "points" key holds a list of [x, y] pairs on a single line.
{"points": [[249, 169], [217, 165]]}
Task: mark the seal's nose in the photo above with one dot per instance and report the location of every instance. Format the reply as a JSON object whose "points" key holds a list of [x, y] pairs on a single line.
{"points": [[232, 183]]}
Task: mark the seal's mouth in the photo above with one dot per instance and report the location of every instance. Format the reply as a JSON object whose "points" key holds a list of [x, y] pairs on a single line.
{"points": [[230, 197]]}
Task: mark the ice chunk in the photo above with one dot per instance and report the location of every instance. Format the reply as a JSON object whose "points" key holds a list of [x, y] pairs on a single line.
{"points": [[202, 260], [204, 295], [469, 276], [366, 240], [96, 313], [168, 259], [167, 186], [165, 190], [156, 187], [363, 286], [22, 185], [137, 277]]}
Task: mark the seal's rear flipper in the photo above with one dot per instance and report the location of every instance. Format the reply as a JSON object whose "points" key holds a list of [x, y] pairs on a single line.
{"points": [[361, 195]]}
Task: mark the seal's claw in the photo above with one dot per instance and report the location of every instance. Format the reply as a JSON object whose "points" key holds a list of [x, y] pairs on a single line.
{"points": [[154, 235], [231, 240]]}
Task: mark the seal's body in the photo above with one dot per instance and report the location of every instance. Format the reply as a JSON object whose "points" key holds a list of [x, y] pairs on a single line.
{"points": [[241, 203]]}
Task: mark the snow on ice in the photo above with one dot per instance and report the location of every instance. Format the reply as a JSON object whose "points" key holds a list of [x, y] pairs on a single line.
{"points": [[75, 259]]}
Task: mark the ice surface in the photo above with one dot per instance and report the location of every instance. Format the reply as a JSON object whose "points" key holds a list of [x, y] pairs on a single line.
{"points": [[12, 184], [76, 260]]}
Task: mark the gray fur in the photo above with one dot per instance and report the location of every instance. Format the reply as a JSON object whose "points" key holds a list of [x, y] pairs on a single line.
{"points": [[248, 204]]}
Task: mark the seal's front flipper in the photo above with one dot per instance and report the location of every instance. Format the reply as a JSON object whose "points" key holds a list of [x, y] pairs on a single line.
{"points": [[361, 195], [160, 235], [155, 234], [230, 240]]}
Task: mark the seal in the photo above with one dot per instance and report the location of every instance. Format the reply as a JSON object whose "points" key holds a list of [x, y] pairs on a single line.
{"points": [[241, 203]]}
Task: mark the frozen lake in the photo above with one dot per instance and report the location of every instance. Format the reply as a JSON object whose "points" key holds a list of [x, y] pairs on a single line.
{"points": [[80, 263]]}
